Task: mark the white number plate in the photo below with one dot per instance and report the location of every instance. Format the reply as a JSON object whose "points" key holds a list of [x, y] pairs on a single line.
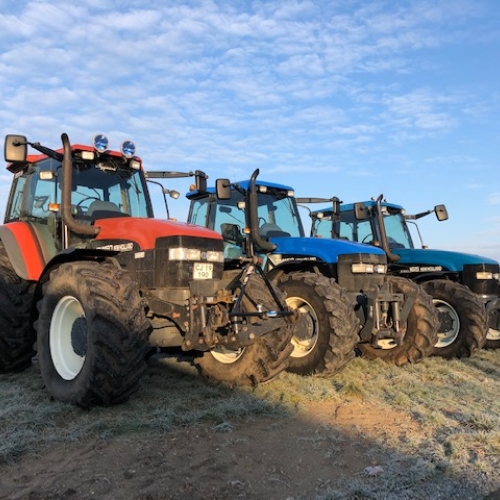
{"points": [[202, 271]]}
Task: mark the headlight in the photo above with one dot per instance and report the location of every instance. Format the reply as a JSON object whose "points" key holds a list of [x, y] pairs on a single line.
{"points": [[100, 143], [128, 149], [485, 275], [213, 256], [181, 253], [361, 268], [136, 165]]}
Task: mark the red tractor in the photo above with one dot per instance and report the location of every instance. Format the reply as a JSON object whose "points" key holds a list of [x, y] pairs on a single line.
{"points": [[91, 282]]}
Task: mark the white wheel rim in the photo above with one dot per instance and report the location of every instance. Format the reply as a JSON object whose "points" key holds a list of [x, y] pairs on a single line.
{"points": [[227, 356], [386, 344], [66, 361], [493, 334], [448, 337], [302, 347]]}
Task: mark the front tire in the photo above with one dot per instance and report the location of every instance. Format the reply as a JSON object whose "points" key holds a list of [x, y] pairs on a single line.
{"points": [[462, 319], [328, 326], [16, 334], [493, 314], [92, 334], [421, 328], [259, 362]]}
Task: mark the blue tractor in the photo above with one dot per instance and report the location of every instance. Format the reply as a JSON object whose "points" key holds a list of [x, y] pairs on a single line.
{"points": [[465, 288], [341, 287]]}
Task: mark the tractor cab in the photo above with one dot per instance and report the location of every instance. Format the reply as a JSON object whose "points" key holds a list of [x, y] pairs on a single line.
{"points": [[461, 284], [276, 216], [354, 222], [104, 184]]}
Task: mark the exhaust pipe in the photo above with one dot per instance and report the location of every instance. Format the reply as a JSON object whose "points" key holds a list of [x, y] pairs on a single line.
{"points": [[254, 218], [383, 235], [67, 217]]}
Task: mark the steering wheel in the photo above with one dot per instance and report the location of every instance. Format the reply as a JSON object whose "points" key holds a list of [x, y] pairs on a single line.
{"points": [[79, 204], [40, 202], [366, 238]]}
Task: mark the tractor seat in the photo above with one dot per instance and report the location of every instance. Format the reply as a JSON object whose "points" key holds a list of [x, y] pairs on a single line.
{"points": [[99, 209], [269, 230]]}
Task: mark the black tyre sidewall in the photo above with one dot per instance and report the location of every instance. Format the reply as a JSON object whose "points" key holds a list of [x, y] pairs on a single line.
{"points": [[337, 324], [471, 313], [16, 334], [309, 362], [261, 361], [75, 390], [116, 334], [421, 328]]}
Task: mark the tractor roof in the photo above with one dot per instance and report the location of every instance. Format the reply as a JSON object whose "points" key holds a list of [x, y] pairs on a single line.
{"points": [[243, 184], [347, 207]]}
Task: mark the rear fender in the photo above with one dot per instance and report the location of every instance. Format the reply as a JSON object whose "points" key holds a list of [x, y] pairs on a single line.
{"points": [[23, 250]]}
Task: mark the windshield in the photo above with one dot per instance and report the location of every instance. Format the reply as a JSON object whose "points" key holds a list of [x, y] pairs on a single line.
{"points": [[97, 192], [397, 232], [274, 209], [366, 231], [277, 215]]}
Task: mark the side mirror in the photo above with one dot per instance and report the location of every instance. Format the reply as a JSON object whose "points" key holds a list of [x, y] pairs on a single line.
{"points": [[201, 181], [360, 211], [223, 189], [441, 212], [15, 149]]}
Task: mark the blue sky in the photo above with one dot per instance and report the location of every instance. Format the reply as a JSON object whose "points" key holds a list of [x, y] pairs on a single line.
{"points": [[347, 98]]}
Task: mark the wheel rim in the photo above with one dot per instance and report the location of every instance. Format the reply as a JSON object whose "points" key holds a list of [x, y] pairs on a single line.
{"points": [[227, 356], [492, 313], [309, 335], [386, 344], [67, 337], [493, 334], [449, 323]]}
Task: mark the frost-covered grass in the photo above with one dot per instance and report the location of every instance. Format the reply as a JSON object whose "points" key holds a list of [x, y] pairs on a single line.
{"points": [[453, 404]]}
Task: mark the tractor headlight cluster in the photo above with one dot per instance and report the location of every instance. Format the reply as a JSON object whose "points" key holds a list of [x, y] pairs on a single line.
{"points": [[361, 268], [182, 253], [486, 275], [128, 149], [101, 145]]}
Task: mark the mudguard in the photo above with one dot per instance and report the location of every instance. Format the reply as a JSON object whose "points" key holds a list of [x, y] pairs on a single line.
{"points": [[23, 250]]}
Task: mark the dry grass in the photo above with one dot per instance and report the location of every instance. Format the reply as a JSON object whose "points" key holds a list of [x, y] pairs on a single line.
{"points": [[454, 404]]}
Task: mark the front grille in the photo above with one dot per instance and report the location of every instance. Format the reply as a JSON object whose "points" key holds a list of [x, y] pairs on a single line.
{"points": [[356, 282], [480, 286], [178, 273]]}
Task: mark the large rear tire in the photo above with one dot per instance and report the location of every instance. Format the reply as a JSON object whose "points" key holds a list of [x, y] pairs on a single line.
{"points": [[327, 332], [421, 328], [92, 334], [462, 319], [259, 362], [16, 334]]}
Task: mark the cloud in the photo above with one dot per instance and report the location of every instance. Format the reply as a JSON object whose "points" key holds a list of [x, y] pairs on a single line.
{"points": [[494, 199]]}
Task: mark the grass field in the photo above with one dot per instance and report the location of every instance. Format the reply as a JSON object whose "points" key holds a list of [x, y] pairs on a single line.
{"points": [[450, 450]]}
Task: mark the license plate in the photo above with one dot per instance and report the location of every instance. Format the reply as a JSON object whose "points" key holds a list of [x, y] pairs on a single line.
{"points": [[202, 271]]}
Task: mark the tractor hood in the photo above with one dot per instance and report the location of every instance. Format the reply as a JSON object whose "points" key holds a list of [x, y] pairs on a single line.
{"points": [[448, 260], [144, 232], [327, 250]]}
